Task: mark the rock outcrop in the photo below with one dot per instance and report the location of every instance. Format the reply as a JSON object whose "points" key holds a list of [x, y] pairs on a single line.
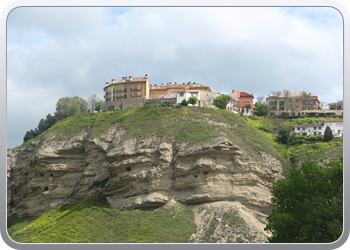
{"points": [[215, 177]]}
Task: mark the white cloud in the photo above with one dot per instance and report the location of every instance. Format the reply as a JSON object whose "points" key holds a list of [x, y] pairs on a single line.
{"points": [[74, 51]]}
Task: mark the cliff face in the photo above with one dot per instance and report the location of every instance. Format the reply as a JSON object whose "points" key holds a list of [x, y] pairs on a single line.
{"points": [[214, 177]]}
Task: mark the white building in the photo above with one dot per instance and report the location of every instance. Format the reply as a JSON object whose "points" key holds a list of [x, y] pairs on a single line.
{"points": [[336, 127], [319, 128]]}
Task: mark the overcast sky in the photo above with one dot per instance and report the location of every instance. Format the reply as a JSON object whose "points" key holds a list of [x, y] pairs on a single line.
{"points": [[54, 52]]}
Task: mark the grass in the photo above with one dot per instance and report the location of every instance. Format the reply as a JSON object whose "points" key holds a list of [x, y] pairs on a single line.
{"points": [[93, 220], [179, 124]]}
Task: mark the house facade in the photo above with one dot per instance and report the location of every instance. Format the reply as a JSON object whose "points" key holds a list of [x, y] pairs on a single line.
{"points": [[336, 105], [169, 88], [336, 127], [319, 128], [205, 98], [126, 93], [242, 102]]}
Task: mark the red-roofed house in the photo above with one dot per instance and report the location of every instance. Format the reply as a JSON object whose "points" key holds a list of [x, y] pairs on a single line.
{"points": [[245, 101]]}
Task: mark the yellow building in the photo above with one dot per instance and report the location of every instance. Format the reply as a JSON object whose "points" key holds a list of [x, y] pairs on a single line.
{"points": [[124, 91]]}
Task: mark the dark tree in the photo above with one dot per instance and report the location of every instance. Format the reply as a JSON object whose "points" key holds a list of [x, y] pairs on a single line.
{"points": [[184, 102], [309, 205], [284, 136], [29, 135], [328, 134]]}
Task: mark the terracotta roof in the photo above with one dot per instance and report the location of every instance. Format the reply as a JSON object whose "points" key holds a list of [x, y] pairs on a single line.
{"points": [[134, 79], [333, 120], [178, 86], [307, 125], [244, 94]]}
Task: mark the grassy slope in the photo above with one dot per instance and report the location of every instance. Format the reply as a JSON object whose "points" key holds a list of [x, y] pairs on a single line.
{"points": [[93, 220], [172, 125]]}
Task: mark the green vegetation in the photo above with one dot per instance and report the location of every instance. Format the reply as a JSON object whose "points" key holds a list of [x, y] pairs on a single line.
{"points": [[260, 109], [171, 125], [309, 205], [328, 135], [192, 100], [93, 220], [222, 101]]}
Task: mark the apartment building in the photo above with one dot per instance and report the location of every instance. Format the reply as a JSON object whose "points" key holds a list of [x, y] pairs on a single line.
{"points": [[122, 94], [292, 102]]}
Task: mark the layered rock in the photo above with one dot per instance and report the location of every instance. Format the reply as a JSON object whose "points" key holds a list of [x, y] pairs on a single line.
{"points": [[144, 173]]}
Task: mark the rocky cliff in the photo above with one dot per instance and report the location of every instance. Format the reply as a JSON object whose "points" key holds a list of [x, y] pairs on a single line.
{"points": [[228, 191]]}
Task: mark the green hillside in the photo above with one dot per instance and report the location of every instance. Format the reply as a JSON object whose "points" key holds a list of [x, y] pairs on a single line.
{"points": [[179, 124], [93, 220]]}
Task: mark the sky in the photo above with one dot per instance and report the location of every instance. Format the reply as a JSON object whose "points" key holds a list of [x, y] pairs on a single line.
{"points": [[54, 52]]}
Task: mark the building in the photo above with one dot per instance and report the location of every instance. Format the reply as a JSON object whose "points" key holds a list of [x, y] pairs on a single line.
{"points": [[292, 102], [205, 98], [242, 101], [309, 129], [169, 88], [319, 128], [336, 105], [126, 93], [336, 127]]}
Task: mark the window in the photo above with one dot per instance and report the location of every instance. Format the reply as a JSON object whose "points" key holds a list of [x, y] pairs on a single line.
{"points": [[319, 133], [319, 128], [298, 128], [315, 128], [138, 93], [303, 128], [138, 87], [311, 102], [247, 102], [181, 94], [242, 103]]}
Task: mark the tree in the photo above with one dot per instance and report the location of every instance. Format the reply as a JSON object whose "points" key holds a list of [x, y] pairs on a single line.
{"points": [[328, 134], [98, 106], [192, 100], [70, 106], [91, 102], [184, 102], [29, 135], [293, 104], [309, 205], [284, 136], [222, 101], [260, 109]]}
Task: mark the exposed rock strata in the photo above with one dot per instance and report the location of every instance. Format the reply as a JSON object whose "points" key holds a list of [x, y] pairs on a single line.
{"points": [[143, 173]]}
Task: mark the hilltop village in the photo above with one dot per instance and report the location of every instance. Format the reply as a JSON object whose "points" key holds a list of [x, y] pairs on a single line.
{"points": [[137, 92]]}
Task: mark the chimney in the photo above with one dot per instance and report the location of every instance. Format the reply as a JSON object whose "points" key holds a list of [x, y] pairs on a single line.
{"points": [[169, 83], [162, 84], [233, 91], [155, 84], [130, 78], [175, 82], [146, 75], [113, 81], [107, 84]]}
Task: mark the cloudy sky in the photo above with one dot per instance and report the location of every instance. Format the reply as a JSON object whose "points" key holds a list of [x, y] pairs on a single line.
{"points": [[54, 52]]}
